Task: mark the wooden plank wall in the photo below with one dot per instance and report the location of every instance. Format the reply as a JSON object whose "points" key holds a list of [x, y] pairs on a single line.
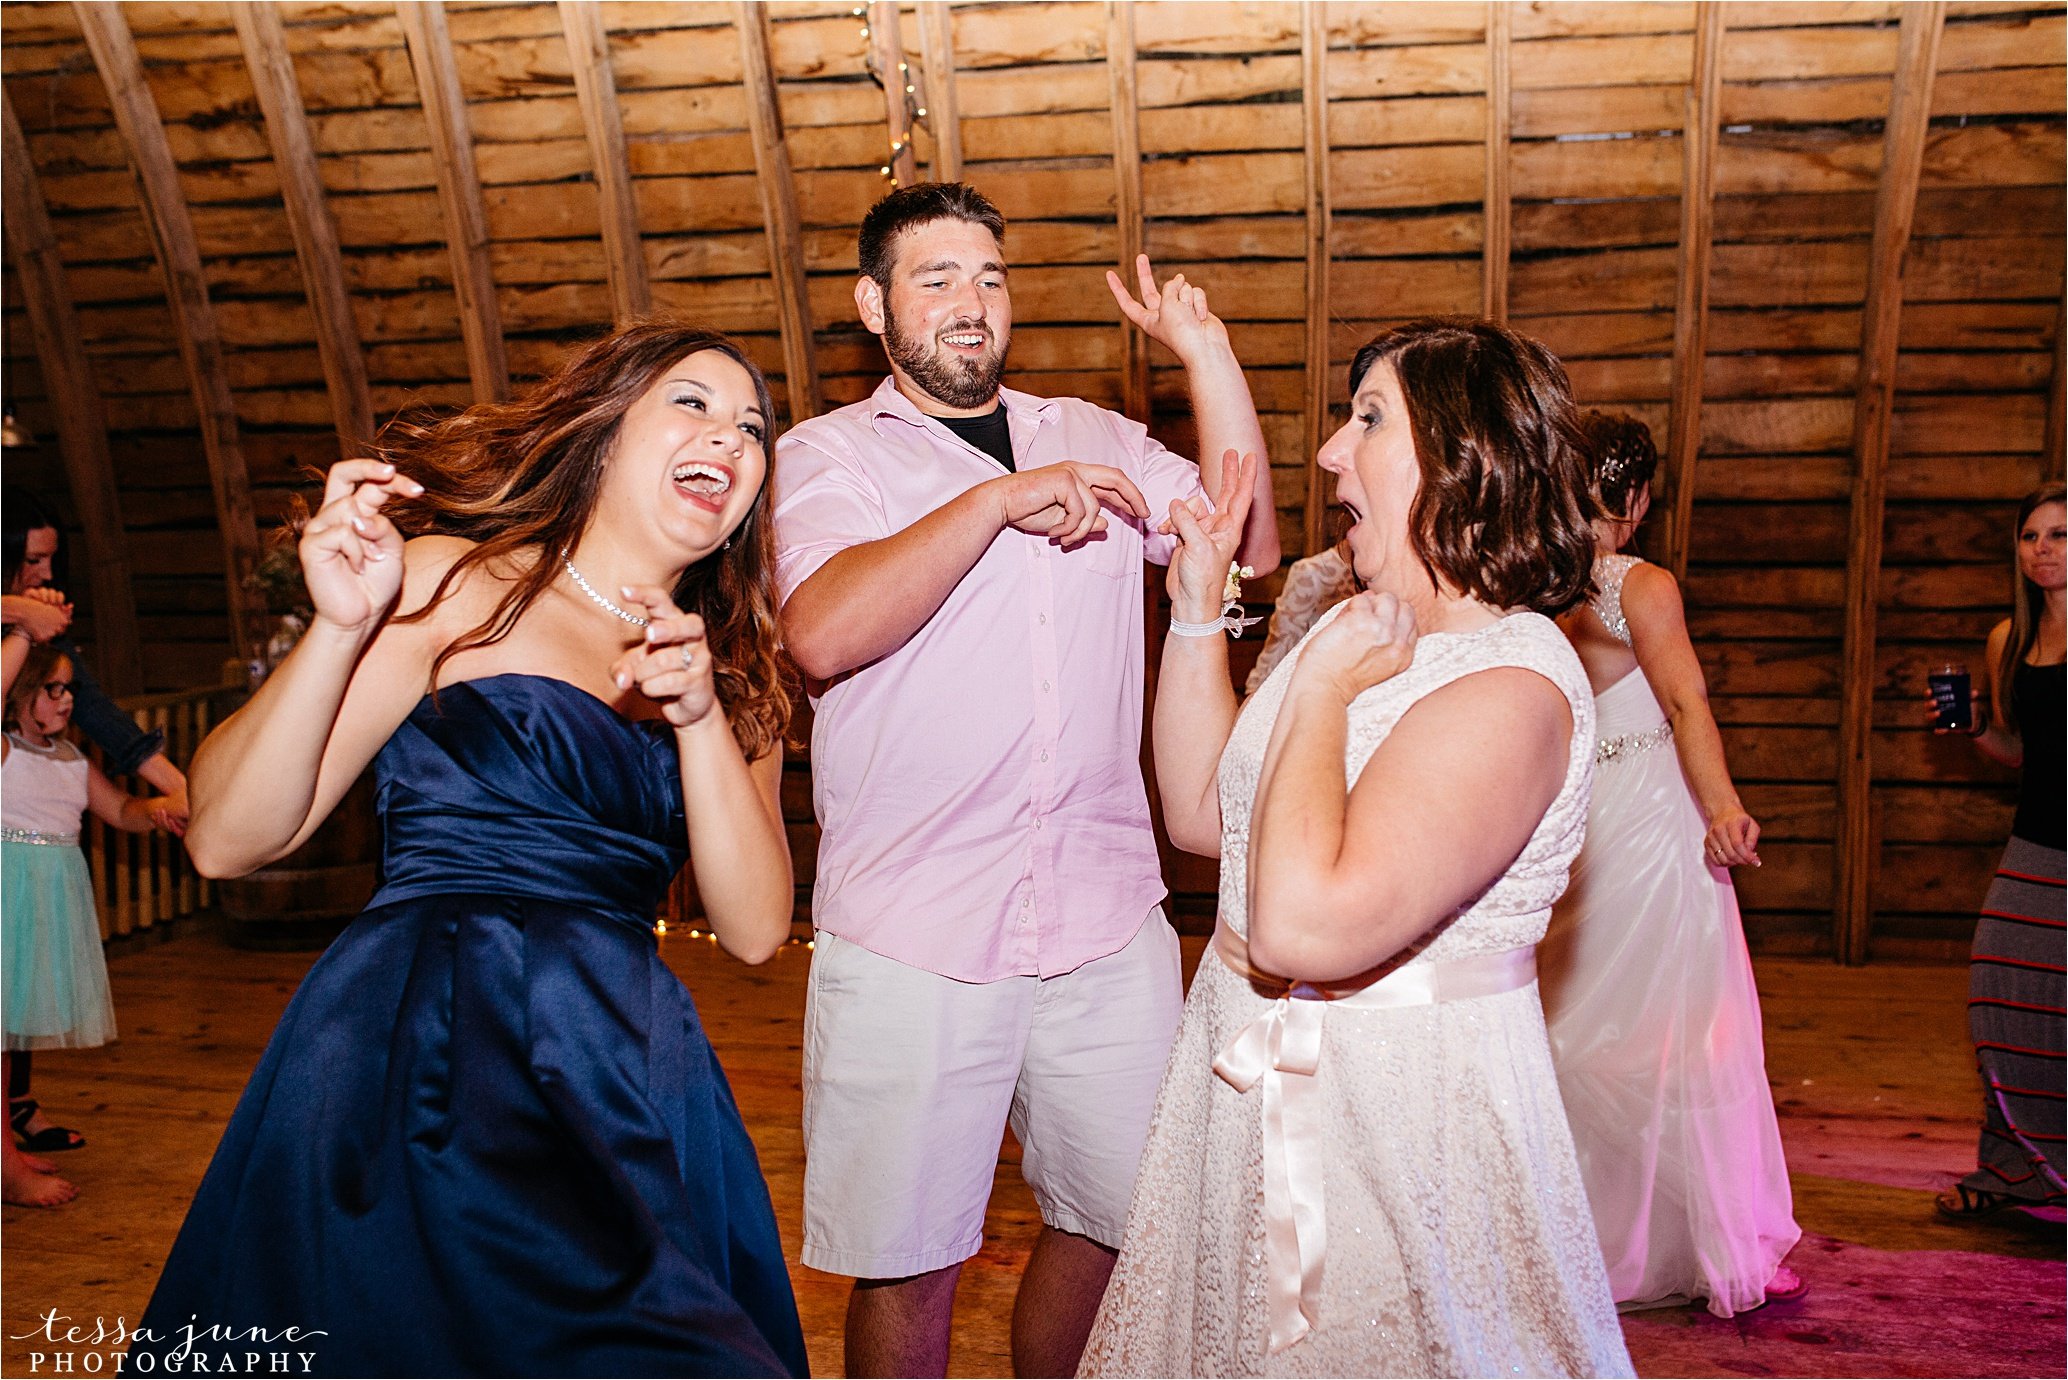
{"points": [[1598, 96], [1981, 301], [1797, 167]]}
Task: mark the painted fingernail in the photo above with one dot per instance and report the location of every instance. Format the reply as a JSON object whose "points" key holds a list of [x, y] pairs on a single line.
{"points": [[625, 590], [359, 526]]}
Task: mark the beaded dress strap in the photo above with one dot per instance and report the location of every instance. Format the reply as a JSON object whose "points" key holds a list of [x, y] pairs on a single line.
{"points": [[1607, 602]]}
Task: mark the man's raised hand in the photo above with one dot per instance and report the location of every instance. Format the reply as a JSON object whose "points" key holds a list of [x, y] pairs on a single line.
{"points": [[1176, 315]]}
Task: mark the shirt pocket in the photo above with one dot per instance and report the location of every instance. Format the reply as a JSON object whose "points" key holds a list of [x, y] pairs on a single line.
{"points": [[1114, 554]]}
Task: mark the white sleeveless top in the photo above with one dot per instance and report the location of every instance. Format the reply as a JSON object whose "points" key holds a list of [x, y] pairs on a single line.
{"points": [[1513, 911], [42, 789]]}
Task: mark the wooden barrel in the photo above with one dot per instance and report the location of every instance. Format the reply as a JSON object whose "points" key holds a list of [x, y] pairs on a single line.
{"points": [[304, 900]]}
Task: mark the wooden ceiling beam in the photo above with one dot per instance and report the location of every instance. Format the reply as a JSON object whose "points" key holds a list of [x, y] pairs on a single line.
{"points": [[1691, 308], [264, 41], [596, 91], [1895, 206], [171, 229], [82, 423], [937, 55], [459, 193], [778, 188], [1127, 194], [1314, 109], [1500, 206], [887, 56]]}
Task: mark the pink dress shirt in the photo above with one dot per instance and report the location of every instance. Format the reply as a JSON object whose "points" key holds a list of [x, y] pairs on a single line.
{"points": [[980, 789]]}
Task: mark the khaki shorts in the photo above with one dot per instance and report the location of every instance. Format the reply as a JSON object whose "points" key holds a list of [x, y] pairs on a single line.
{"points": [[910, 1079]]}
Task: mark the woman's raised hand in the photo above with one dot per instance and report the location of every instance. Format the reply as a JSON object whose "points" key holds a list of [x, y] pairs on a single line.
{"points": [[1208, 539], [351, 554], [42, 613], [673, 667], [1371, 640]]}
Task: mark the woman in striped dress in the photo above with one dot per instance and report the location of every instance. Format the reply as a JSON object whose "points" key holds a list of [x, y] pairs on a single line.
{"points": [[2015, 972]]}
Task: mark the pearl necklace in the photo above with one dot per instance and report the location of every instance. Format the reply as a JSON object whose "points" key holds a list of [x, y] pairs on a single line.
{"points": [[634, 619]]}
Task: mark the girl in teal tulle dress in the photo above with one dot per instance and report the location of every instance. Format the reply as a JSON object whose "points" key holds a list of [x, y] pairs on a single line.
{"points": [[53, 980]]}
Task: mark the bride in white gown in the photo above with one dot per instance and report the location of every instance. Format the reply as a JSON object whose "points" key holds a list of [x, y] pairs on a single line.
{"points": [[1647, 986], [1358, 1163]]}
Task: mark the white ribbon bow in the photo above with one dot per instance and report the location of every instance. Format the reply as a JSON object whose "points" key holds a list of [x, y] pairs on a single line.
{"points": [[1282, 1048]]}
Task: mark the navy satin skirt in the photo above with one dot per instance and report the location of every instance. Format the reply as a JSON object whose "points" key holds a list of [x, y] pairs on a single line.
{"points": [[489, 1137]]}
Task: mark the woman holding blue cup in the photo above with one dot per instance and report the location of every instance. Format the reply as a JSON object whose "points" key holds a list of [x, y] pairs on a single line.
{"points": [[2015, 983]]}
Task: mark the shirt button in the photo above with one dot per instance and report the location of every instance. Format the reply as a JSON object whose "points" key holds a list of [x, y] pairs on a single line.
{"points": [[1044, 757], [1041, 618], [1045, 685]]}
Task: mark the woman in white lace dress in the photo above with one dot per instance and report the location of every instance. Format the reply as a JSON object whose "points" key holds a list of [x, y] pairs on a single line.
{"points": [[1359, 1164], [1648, 990]]}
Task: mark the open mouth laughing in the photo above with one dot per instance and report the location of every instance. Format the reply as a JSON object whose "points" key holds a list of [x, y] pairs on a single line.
{"points": [[703, 483]]}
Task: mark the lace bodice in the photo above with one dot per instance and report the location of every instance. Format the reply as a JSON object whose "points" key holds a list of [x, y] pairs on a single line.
{"points": [[1607, 603], [1513, 911], [1314, 585]]}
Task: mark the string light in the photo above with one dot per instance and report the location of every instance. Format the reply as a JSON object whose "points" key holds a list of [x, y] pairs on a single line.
{"points": [[913, 111], [662, 930]]}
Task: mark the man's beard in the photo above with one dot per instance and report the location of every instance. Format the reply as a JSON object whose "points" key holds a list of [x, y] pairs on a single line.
{"points": [[965, 383]]}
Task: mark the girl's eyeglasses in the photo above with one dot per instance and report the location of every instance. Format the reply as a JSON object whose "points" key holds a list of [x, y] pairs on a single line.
{"points": [[57, 688]]}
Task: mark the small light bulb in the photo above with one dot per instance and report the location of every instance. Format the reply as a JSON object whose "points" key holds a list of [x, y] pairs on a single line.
{"points": [[922, 112]]}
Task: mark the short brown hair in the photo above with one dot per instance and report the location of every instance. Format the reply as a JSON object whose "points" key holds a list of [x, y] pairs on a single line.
{"points": [[1621, 458], [43, 659], [1503, 512], [920, 204]]}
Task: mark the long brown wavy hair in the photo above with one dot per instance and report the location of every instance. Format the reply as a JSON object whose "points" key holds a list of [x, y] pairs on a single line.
{"points": [[521, 479], [1503, 512], [2026, 611]]}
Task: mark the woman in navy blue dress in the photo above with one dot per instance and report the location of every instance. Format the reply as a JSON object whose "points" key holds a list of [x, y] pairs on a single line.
{"points": [[489, 1135]]}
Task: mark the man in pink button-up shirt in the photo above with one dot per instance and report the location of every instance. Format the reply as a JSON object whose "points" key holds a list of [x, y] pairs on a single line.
{"points": [[962, 569]]}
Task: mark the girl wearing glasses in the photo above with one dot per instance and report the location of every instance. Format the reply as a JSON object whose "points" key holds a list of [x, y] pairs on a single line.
{"points": [[53, 981]]}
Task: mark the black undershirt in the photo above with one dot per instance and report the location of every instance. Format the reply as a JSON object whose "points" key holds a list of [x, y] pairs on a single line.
{"points": [[988, 433]]}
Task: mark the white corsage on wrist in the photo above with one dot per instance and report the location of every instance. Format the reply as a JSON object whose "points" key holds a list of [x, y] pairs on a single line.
{"points": [[1231, 617]]}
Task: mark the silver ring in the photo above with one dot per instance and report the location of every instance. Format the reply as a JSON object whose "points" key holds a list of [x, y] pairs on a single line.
{"points": [[689, 656]]}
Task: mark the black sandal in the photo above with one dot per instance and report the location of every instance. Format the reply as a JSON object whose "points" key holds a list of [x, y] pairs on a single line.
{"points": [[1966, 1204], [21, 1111]]}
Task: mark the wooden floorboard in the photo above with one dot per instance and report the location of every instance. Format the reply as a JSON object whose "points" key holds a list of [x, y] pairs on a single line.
{"points": [[1870, 1068]]}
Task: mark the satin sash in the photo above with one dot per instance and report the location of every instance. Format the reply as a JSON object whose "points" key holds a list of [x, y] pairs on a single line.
{"points": [[1281, 1049]]}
